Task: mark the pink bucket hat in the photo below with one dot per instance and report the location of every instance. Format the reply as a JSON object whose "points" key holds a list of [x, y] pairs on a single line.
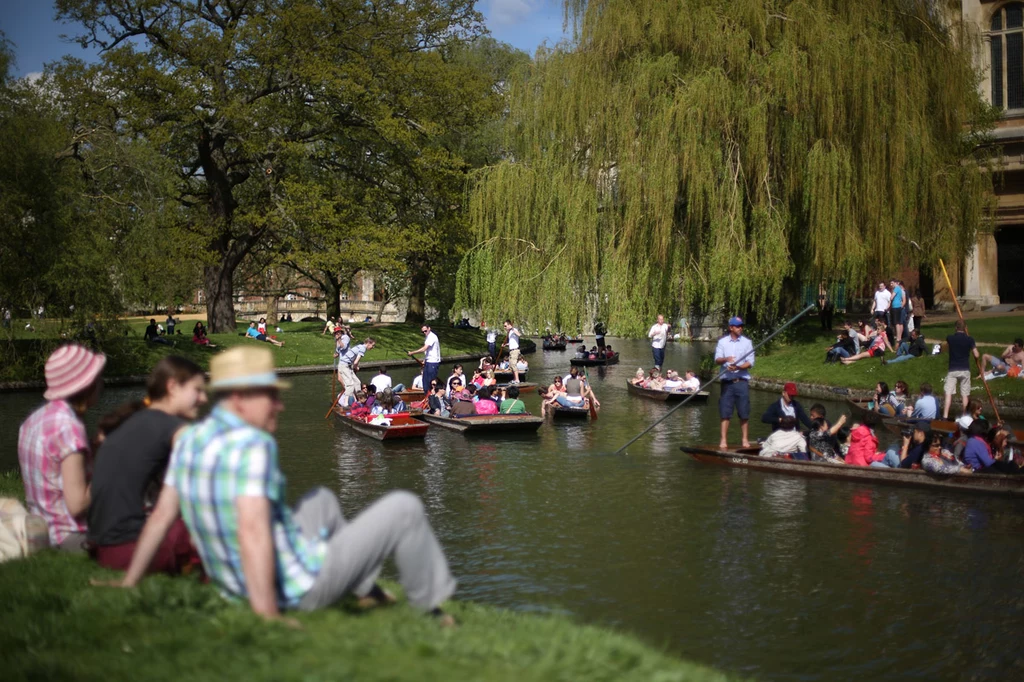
{"points": [[71, 369]]}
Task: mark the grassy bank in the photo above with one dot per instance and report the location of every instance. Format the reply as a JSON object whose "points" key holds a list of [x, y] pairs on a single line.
{"points": [[801, 359], [56, 626], [304, 345]]}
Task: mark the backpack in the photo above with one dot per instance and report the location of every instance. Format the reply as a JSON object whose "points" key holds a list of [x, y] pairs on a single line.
{"points": [[21, 533]]}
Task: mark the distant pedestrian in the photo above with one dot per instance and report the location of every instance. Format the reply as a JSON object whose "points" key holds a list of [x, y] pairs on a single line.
{"points": [[658, 335], [492, 343], [170, 324]]}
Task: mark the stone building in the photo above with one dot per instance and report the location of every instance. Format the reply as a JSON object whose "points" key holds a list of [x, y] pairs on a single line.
{"points": [[992, 273]]}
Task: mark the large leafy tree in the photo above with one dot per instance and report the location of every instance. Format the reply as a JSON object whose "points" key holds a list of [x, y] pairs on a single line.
{"points": [[231, 91], [715, 151]]}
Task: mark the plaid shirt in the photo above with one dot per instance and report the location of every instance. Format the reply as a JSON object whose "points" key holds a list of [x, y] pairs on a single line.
{"points": [[45, 440], [217, 461]]}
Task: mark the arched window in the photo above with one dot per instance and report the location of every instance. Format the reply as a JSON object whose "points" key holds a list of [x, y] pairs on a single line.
{"points": [[1007, 37]]}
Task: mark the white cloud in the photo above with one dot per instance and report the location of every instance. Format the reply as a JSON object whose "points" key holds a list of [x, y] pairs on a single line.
{"points": [[33, 76], [510, 12]]}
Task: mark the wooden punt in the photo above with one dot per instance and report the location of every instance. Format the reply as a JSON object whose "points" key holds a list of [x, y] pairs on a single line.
{"points": [[666, 396], [562, 412], [748, 458], [411, 395], [597, 362], [548, 344], [486, 423], [504, 376], [578, 339], [523, 386], [402, 426], [859, 407]]}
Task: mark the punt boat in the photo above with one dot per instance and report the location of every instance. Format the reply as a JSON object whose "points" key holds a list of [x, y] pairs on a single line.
{"points": [[748, 458], [402, 426], [486, 423], [666, 396], [596, 362]]}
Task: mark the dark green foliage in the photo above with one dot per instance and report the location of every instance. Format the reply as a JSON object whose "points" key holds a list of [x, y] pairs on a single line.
{"points": [[683, 152]]}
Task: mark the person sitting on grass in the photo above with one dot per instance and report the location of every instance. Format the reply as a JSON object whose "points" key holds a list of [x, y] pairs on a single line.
{"points": [[153, 334], [53, 448], [131, 462], [908, 350], [511, 404], [843, 347], [785, 440], [256, 548], [927, 405], [863, 448], [199, 335], [254, 333], [876, 348], [1012, 357], [329, 327]]}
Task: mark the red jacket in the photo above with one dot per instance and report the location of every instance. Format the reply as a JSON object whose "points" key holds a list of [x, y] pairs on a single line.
{"points": [[863, 447]]}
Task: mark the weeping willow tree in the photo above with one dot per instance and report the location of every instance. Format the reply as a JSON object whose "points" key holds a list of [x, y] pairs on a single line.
{"points": [[713, 152]]}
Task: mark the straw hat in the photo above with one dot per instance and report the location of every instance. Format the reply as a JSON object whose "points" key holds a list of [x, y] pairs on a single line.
{"points": [[244, 367], [71, 369]]}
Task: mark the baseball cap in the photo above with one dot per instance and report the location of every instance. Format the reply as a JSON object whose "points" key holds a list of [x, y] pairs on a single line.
{"points": [[790, 389], [736, 321]]}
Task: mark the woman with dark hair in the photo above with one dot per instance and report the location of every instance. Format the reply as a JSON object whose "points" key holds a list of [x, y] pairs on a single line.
{"points": [[978, 451], [939, 460], [53, 450], [131, 462], [785, 440]]}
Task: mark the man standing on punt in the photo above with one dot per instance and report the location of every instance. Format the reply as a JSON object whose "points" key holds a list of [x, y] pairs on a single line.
{"points": [[735, 353]]}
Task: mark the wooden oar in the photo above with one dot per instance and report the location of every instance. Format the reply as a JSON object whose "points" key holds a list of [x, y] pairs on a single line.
{"points": [[977, 361]]}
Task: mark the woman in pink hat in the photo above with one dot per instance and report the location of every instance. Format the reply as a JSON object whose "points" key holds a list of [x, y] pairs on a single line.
{"points": [[53, 449]]}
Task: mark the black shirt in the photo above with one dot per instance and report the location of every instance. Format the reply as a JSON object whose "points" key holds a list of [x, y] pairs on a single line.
{"points": [[129, 461], [960, 347], [917, 347]]}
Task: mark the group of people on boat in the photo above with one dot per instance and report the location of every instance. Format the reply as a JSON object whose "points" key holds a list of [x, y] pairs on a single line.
{"points": [[460, 400], [571, 391], [972, 446], [670, 381], [158, 489]]}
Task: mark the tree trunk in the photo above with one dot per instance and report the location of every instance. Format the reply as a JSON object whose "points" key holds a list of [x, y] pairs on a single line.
{"points": [[417, 311], [220, 304], [332, 289], [272, 309]]}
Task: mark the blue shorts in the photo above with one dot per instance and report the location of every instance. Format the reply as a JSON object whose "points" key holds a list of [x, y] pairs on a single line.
{"points": [[1001, 365], [735, 394]]}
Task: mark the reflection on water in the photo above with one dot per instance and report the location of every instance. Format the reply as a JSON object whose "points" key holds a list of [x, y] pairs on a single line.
{"points": [[775, 577]]}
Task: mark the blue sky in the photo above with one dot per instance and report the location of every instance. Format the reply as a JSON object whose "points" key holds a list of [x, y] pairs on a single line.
{"points": [[30, 25]]}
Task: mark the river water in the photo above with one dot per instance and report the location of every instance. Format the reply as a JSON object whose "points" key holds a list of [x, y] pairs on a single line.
{"points": [[757, 574]]}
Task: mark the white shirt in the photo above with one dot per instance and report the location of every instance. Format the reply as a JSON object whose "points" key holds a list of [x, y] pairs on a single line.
{"points": [[882, 300], [691, 384], [787, 410], [782, 442], [417, 381], [492, 336], [673, 385], [659, 335], [380, 382], [433, 348], [513, 339]]}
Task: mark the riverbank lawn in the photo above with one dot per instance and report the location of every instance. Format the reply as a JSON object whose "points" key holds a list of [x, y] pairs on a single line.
{"points": [[304, 345], [801, 359], [56, 626], [1000, 330]]}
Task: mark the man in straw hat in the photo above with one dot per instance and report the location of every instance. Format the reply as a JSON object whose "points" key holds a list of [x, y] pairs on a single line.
{"points": [[225, 480], [53, 447]]}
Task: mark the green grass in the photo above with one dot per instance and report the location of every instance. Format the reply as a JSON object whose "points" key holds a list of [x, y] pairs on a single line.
{"points": [[1001, 330], [801, 359], [57, 627], [304, 345]]}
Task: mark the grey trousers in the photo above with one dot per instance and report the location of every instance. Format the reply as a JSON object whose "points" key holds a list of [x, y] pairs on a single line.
{"points": [[396, 524], [73, 543]]}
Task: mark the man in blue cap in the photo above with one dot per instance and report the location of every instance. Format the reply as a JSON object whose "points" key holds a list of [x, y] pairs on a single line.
{"points": [[735, 354]]}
